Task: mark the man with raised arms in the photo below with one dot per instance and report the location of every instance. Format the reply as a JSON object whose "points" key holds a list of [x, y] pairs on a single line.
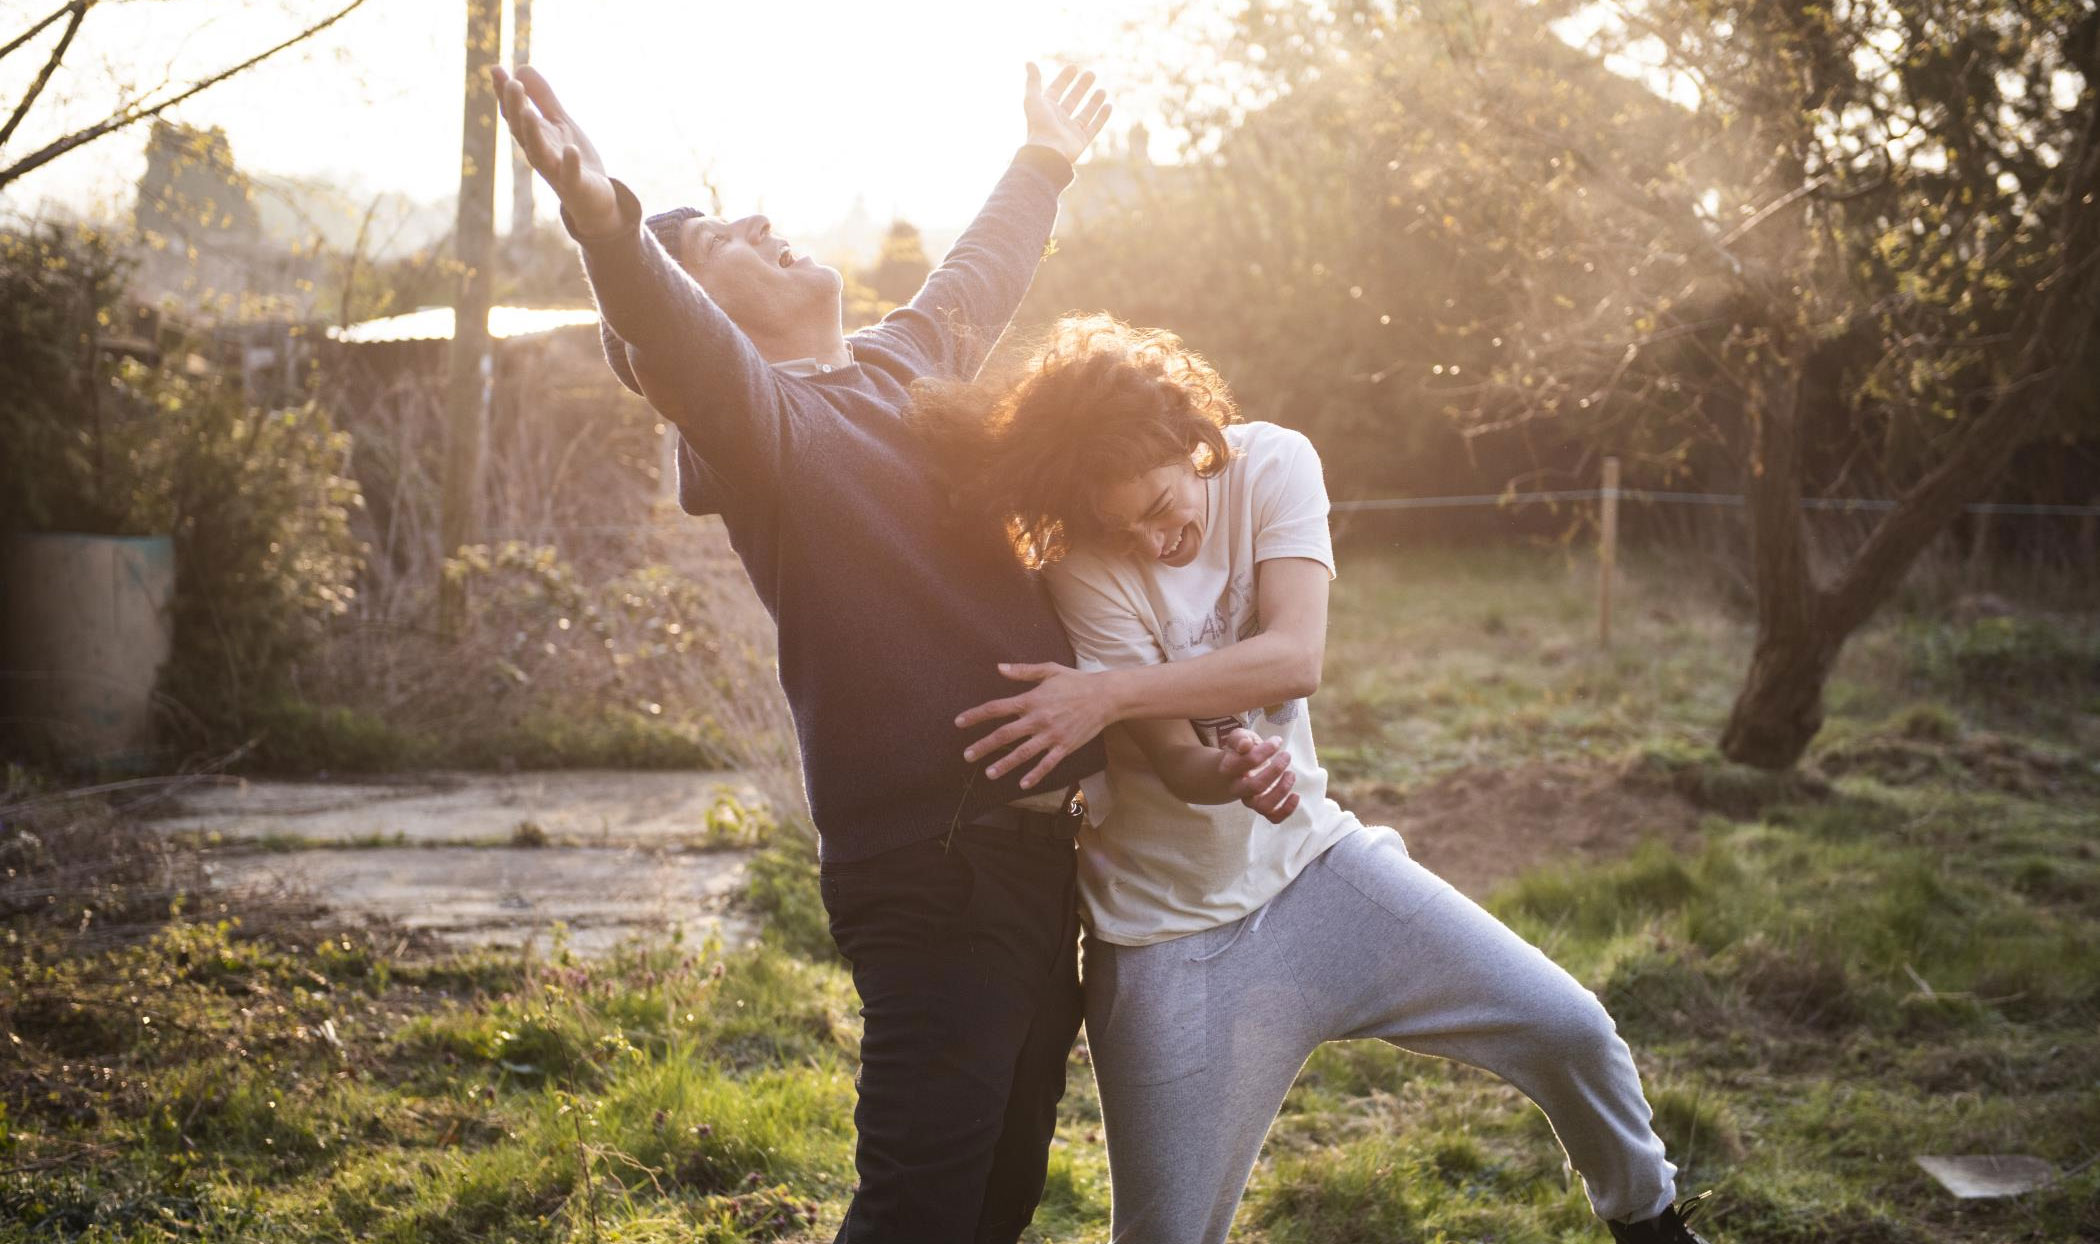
{"points": [[952, 894]]}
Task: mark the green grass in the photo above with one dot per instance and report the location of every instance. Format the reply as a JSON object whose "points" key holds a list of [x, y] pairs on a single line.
{"points": [[238, 1086], [1896, 952], [296, 737]]}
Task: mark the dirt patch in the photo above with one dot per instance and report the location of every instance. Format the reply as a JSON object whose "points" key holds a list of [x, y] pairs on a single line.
{"points": [[1479, 827], [1983, 759]]}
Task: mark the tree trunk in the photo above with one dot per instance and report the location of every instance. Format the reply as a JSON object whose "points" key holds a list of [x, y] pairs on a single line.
{"points": [[1780, 707], [1779, 710]]}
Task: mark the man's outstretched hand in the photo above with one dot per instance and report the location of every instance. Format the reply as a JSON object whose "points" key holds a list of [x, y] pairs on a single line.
{"points": [[1261, 772], [1064, 118], [558, 149]]}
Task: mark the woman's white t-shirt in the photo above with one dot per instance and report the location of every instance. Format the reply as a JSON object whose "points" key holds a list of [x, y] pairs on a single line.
{"points": [[1151, 866]]}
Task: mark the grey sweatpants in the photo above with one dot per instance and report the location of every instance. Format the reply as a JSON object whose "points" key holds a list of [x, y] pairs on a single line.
{"points": [[1196, 1040]]}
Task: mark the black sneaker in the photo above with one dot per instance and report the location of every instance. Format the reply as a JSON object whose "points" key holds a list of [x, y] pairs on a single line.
{"points": [[1667, 1227]]}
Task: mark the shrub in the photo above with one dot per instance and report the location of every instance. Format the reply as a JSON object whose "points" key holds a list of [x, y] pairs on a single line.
{"points": [[257, 502], [259, 507], [59, 287]]}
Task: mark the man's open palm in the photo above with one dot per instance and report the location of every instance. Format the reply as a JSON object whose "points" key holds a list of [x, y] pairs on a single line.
{"points": [[1064, 118], [558, 149]]}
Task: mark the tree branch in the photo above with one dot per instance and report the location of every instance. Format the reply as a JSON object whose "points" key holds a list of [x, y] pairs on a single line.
{"points": [[1680, 223], [37, 29], [79, 9], [139, 112], [2063, 321]]}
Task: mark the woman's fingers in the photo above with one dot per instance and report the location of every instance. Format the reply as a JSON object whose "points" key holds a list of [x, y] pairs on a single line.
{"points": [[1005, 736], [1243, 753], [990, 710], [1260, 770], [1051, 759], [1033, 672], [1277, 802], [1060, 82], [1028, 750], [1272, 763]]}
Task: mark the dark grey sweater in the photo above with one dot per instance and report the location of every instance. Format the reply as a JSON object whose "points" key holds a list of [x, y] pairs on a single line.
{"points": [[892, 613]]}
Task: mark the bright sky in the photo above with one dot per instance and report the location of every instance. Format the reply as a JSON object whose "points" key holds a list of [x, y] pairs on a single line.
{"points": [[796, 106]]}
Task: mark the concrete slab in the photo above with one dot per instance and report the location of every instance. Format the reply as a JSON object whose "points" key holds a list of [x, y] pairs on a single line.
{"points": [[1974, 1176], [475, 896], [593, 807]]}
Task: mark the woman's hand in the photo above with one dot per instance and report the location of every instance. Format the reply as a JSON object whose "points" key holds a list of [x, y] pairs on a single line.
{"points": [[1261, 773], [1054, 719], [558, 150], [1064, 118]]}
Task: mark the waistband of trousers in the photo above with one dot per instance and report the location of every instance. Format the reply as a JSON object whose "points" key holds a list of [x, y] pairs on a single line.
{"points": [[1062, 823]]}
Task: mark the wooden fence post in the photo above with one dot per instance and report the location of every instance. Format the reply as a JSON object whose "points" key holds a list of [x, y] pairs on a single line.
{"points": [[1608, 548]]}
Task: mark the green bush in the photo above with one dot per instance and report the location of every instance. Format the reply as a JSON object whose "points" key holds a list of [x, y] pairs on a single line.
{"points": [[257, 502], [260, 511], [66, 436], [298, 737]]}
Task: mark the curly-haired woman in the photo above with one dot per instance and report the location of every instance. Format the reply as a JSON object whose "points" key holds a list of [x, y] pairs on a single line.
{"points": [[1221, 949]]}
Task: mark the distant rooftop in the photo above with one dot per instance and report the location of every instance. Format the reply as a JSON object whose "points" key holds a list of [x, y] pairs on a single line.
{"points": [[435, 324]]}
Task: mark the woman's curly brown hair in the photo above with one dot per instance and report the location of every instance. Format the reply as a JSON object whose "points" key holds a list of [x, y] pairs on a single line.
{"points": [[1097, 403]]}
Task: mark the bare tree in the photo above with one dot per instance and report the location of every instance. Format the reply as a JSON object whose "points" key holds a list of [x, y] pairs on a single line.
{"points": [[150, 103]]}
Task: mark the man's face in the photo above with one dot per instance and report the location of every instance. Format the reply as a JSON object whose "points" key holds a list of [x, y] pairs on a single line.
{"points": [[758, 279]]}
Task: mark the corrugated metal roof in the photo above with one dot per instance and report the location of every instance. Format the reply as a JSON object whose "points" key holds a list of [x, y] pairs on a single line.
{"points": [[435, 324]]}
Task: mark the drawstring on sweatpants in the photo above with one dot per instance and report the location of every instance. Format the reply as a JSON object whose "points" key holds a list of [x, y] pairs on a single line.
{"points": [[1248, 924]]}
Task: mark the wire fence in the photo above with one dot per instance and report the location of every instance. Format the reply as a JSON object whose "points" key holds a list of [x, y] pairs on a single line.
{"points": [[1681, 498], [1841, 504]]}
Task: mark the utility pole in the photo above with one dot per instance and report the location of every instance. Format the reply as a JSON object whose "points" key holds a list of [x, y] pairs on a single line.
{"points": [[473, 371], [520, 168]]}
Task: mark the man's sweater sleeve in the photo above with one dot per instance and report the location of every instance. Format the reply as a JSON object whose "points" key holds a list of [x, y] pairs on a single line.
{"points": [[957, 317], [721, 395]]}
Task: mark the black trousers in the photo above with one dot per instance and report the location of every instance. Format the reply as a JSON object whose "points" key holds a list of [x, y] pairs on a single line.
{"points": [[964, 950]]}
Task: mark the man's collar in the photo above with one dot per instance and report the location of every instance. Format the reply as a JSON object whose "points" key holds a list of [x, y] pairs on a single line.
{"points": [[807, 367]]}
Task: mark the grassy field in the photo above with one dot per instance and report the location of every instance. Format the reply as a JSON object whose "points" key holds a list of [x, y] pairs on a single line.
{"points": [[1896, 953]]}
